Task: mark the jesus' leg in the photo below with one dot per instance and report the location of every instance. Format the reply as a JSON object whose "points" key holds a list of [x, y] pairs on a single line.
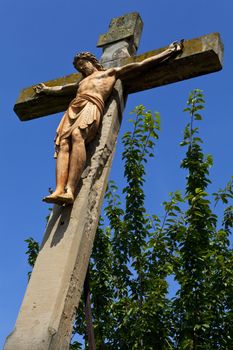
{"points": [[61, 172], [77, 162]]}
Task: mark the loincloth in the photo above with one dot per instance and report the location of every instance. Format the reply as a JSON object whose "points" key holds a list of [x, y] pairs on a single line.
{"points": [[82, 112]]}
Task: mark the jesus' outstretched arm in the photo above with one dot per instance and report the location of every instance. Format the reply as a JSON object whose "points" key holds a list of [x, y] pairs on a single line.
{"points": [[55, 90], [174, 48]]}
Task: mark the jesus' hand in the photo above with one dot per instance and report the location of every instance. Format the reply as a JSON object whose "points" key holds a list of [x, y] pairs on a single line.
{"points": [[40, 88]]}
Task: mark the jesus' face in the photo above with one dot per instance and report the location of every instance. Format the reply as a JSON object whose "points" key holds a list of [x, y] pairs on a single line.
{"points": [[85, 66]]}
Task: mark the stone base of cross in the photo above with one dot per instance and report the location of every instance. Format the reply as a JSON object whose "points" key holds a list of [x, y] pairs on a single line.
{"points": [[46, 317]]}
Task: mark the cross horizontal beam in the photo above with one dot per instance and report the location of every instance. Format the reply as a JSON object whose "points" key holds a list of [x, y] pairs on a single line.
{"points": [[200, 56]]}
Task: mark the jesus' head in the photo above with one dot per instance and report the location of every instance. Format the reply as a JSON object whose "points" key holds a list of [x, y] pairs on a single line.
{"points": [[86, 63]]}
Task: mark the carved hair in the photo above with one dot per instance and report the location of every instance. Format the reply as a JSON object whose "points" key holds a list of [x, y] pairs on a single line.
{"points": [[89, 57]]}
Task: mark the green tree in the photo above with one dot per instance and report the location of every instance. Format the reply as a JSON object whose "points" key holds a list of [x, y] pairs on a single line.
{"points": [[201, 253]]}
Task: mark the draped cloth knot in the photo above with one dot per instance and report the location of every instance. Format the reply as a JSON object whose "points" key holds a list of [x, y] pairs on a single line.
{"points": [[83, 111]]}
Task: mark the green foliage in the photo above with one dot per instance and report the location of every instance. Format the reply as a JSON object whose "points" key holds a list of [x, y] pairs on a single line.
{"points": [[76, 346], [136, 254], [201, 306], [32, 252]]}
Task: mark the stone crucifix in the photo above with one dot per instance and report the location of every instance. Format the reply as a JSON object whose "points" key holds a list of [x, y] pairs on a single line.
{"points": [[46, 317]]}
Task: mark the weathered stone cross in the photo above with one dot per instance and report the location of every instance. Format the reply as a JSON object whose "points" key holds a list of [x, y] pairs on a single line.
{"points": [[46, 317]]}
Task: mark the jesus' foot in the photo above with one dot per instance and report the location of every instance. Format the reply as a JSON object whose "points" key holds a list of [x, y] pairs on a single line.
{"points": [[66, 198], [53, 198]]}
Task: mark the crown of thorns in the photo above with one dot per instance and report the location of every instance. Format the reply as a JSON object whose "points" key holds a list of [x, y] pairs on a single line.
{"points": [[88, 56]]}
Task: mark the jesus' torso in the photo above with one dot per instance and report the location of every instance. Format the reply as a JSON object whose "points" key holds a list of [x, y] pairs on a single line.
{"points": [[99, 84]]}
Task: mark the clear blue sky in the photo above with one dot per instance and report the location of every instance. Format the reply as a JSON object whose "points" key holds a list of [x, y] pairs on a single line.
{"points": [[38, 42]]}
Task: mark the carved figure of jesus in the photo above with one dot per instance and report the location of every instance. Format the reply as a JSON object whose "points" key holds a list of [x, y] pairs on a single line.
{"points": [[82, 119]]}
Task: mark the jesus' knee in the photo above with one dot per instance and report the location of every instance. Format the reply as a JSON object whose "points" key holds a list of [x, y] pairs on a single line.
{"points": [[78, 137], [64, 146]]}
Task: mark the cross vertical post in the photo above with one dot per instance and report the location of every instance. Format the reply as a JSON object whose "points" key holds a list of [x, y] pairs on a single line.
{"points": [[47, 313]]}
